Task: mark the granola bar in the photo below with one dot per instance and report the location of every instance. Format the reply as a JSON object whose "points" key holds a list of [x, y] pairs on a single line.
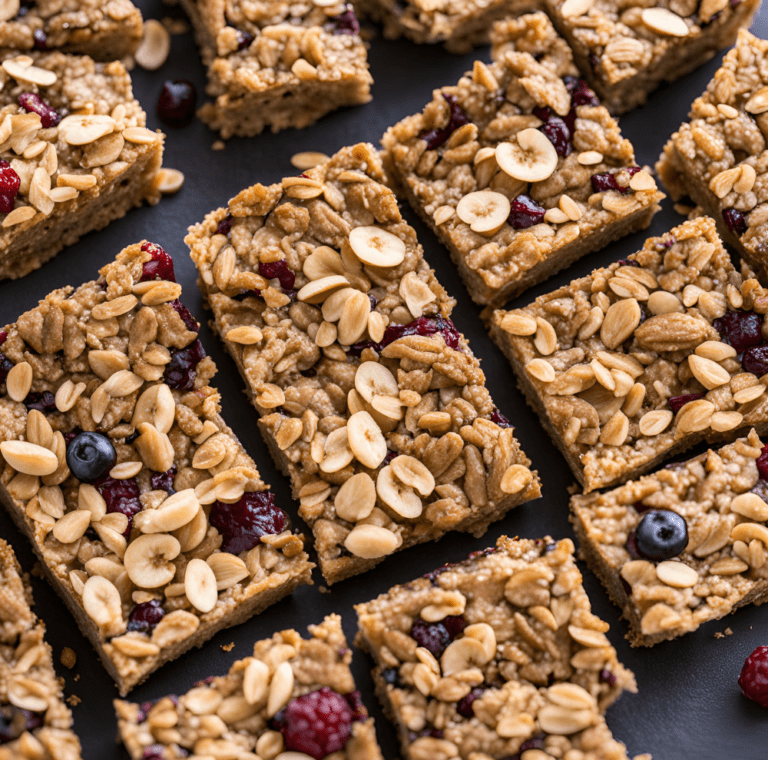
{"points": [[74, 154], [498, 656], [459, 24], [106, 30], [627, 50], [294, 698], [36, 723], [644, 358], [149, 518], [278, 65], [718, 157], [718, 565], [518, 169], [369, 397]]}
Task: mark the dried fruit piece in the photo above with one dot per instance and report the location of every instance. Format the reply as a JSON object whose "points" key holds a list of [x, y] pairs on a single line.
{"points": [[176, 104], [525, 212], [753, 679], [243, 523]]}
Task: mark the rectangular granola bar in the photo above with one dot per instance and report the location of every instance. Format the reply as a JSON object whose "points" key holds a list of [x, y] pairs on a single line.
{"points": [[36, 722], [644, 358], [718, 157], [518, 169], [278, 65], [106, 30], [76, 154], [627, 51], [495, 656], [294, 682], [369, 397], [149, 518], [665, 592]]}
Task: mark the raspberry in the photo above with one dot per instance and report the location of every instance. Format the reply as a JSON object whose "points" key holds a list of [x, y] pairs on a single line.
{"points": [[9, 187], [317, 723], [754, 677], [160, 266], [32, 103]]}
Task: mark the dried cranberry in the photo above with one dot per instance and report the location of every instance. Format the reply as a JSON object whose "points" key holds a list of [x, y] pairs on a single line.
{"points": [[676, 403], [280, 270], [464, 707], [40, 39], [6, 365], [317, 723], [180, 371], [607, 181], [225, 225], [436, 137], [735, 220], [455, 625], [121, 496], [32, 103], [43, 401], [176, 104], [581, 95], [535, 742], [243, 523], [754, 677], [432, 636], [153, 752], [500, 419], [244, 39], [761, 489], [389, 457], [628, 263], [741, 329], [421, 326], [9, 187], [186, 317], [355, 701], [755, 360], [160, 266], [344, 23], [762, 463], [435, 574], [525, 212], [640, 507], [145, 616], [374, 301], [163, 481], [607, 677], [556, 129], [14, 722]]}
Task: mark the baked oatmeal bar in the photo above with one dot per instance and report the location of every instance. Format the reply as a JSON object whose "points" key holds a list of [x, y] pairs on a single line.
{"points": [[106, 30], [459, 24], [278, 65], [627, 50], [684, 545], [149, 518], [718, 158], [644, 358], [74, 154], [35, 724], [498, 656], [518, 169], [370, 399], [293, 699]]}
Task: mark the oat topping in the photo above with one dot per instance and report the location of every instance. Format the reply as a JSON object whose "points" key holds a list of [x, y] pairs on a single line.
{"points": [[721, 497], [650, 354], [35, 724], [518, 168], [369, 396], [292, 699], [150, 518], [497, 656]]}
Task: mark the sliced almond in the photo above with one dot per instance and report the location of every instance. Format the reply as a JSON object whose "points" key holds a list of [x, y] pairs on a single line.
{"points": [[9, 9], [723, 421], [338, 453], [751, 506], [531, 158], [400, 497], [366, 440], [677, 574], [19, 381], [710, 374], [575, 8], [28, 73], [745, 395], [308, 159], [148, 560], [101, 601], [662, 302], [377, 247], [374, 379], [256, 681], [317, 291], [82, 130], [655, 422], [200, 585], [541, 369], [155, 46], [72, 526], [485, 211], [371, 541], [664, 21], [245, 335], [169, 181], [280, 689], [516, 477], [519, 324], [29, 458], [354, 319], [620, 322]]}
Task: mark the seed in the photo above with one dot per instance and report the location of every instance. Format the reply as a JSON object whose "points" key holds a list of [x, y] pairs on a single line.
{"points": [[155, 46], [485, 211], [356, 498], [677, 574], [515, 479], [169, 181], [377, 247], [695, 416], [751, 506], [665, 22], [541, 369], [413, 473], [101, 601], [708, 373], [546, 337], [371, 541], [148, 560], [655, 422], [72, 526], [519, 324], [245, 335], [532, 159], [29, 458], [200, 585], [620, 322], [19, 381], [255, 681], [397, 495]]}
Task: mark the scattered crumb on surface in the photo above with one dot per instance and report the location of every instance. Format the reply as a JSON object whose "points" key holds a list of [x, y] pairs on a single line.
{"points": [[68, 657], [228, 647], [175, 25], [324, 589], [723, 634], [219, 145], [77, 678], [73, 700], [37, 570]]}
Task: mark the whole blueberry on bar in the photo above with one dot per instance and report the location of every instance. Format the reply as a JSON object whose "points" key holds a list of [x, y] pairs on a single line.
{"points": [[90, 455], [176, 105], [661, 534], [754, 677]]}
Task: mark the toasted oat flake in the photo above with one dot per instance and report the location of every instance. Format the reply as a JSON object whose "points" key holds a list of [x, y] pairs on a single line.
{"points": [[155, 46]]}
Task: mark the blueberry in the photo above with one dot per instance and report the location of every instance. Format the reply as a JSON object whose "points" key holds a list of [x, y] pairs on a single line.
{"points": [[661, 534], [90, 455]]}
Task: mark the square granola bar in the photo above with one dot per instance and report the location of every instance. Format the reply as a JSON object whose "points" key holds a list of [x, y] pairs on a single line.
{"points": [[718, 158], [278, 65], [518, 169], [35, 721], [498, 656], [627, 50], [74, 154], [294, 698], [106, 30], [684, 545], [370, 398], [644, 358], [150, 519]]}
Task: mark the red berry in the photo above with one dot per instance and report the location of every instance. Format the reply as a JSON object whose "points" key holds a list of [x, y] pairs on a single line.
{"points": [[159, 267], [176, 104], [317, 723], [762, 463], [32, 103], [121, 496], [754, 677], [280, 270], [9, 187], [525, 212], [742, 329], [145, 616], [755, 360], [225, 225], [243, 523], [676, 403], [735, 220], [344, 23], [163, 481], [436, 137]]}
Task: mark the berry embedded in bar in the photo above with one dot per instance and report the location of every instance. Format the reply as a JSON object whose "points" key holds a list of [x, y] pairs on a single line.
{"points": [[370, 398]]}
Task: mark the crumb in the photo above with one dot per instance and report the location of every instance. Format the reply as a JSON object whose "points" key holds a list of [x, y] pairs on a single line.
{"points": [[228, 647], [219, 145], [723, 634], [175, 25], [728, 632], [719, 635], [573, 489], [77, 678], [68, 658], [37, 570], [324, 589], [129, 62], [73, 700]]}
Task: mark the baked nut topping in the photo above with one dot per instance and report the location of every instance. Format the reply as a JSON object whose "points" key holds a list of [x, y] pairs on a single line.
{"points": [[720, 499], [149, 517], [35, 724], [257, 54], [369, 397], [627, 51], [715, 158], [651, 354], [496, 656], [518, 169], [292, 699]]}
